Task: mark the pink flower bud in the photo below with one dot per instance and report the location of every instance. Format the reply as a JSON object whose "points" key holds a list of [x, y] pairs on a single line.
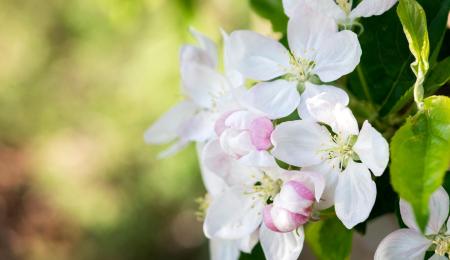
{"points": [[282, 220], [296, 197], [260, 130]]}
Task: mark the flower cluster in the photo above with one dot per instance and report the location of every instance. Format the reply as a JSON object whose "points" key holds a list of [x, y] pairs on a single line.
{"points": [[276, 144]]}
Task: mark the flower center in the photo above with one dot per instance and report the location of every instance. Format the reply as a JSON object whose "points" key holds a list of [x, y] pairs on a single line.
{"points": [[266, 188], [342, 150], [345, 5], [300, 68], [442, 243]]}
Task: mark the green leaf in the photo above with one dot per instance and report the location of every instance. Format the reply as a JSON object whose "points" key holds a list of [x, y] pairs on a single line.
{"points": [[414, 21], [420, 155], [329, 239], [273, 11]]}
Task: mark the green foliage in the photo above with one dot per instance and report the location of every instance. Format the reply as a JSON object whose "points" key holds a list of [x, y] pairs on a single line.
{"points": [[438, 76], [414, 22], [329, 239], [420, 155], [273, 11]]}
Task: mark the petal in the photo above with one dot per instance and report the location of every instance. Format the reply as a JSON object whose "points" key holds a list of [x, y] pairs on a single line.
{"points": [[173, 149], [281, 246], [232, 53], [262, 58], [327, 7], [307, 30], [403, 244], [274, 99], [165, 129], [233, 215], [202, 84], [207, 45], [339, 54], [296, 197], [282, 220], [330, 175], [329, 95], [190, 54], [226, 167], [198, 128], [312, 179], [223, 249], [213, 183], [438, 206], [299, 142], [247, 243], [438, 257], [236, 143], [371, 7], [372, 149], [258, 159], [355, 194]]}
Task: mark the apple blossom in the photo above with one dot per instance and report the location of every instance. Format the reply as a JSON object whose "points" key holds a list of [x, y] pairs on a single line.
{"points": [[410, 243], [206, 92], [340, 10], [344, 156]]}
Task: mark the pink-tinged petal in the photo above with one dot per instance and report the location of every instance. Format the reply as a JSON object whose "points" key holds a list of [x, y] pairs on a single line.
{"points": [[262, 58], [268, 220], [312, 180], [281, 220], [223, 249], [220, 125], [275, 99], [438, 207], [372, 149], [260, 130], [330, 176], [281, 246], [295, 197], [307, 30], [403, 244], [355, 194], [299, 142], [339, 55], [233, 215], [166, 128], [368, 8]]}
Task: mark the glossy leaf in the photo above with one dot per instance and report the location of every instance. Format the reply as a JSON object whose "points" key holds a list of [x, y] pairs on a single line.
{"points": [[420, 155]]}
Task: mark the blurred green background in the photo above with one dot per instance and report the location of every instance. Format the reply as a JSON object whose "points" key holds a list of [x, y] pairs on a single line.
{"points": [[80, 81]]}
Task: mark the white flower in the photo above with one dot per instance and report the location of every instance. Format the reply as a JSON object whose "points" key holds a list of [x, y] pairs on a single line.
{"points": [[239, 210], [316, 48], [340, 10], [223, 249], [409, 243], [207, 93], [344, 157]]}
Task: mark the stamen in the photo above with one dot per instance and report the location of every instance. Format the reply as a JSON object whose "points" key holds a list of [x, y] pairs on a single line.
{"points": [[203, 205], [345, 5], [442, 243]]}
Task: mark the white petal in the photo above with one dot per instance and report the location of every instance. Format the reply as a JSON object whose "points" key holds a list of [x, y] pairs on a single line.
{"points": [[236, 143], [202, 84], [338, 55], [226, 167], [233, 215], [299, 142], [274, 99], [343, 122], [223, 249], [247, 243], [330, 174], [281, 246], [190, 55], [165, 129], [372, 149], [232, 53], [262, 58], [312, 179], [207, 45], [371, 7], [198, 128], [438, 257], [329, 94], [403, 244], [438, 206], [326, 7], [213, 183], [355, 194], [307, 30], [258, 159]]}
